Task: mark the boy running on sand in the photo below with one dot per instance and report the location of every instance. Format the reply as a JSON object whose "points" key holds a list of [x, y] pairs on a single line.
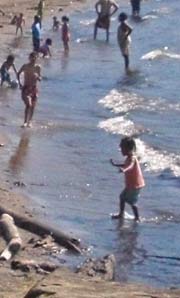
{"points": [[134, 180], [123, 38], [32, 74], [4, 70], [20, 22]]}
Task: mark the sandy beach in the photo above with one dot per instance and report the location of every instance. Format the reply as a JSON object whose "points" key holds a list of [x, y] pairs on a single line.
{"points": [[62, 282]]}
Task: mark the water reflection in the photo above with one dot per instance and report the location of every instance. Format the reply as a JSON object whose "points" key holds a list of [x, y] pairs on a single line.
{"points": [[127, 248], [17, 160], [64, 60]]}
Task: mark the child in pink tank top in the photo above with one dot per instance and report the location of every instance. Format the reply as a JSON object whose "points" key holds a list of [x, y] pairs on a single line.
{"points": [[134, 180]]}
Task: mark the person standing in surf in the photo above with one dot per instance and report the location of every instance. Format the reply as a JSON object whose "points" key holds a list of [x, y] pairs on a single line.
{"points": [[134, 180], [36, 33], [32, 74], [123, 38], [104, 9], [40, 10], [65, 33], [135, 4]]}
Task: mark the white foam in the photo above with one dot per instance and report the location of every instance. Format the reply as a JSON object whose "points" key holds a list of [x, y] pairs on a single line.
{"points": [[159, 53], [87, 22], [123, 102], [156, 160], [120, 125]]}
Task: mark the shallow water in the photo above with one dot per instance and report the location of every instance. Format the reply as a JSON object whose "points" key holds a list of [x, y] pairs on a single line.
{"points": [[86, 105]]}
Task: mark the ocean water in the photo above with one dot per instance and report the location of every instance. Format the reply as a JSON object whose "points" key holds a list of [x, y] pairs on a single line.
{"points": [[87, 104]]}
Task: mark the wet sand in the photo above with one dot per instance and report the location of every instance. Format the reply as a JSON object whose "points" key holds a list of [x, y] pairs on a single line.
{"points": [[62, 283]]}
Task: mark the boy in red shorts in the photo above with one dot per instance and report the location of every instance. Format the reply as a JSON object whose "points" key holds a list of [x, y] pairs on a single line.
{"points": [[32, 74]]}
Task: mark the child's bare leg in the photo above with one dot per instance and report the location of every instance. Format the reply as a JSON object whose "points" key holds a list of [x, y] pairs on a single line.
{"points": [[95, 32], [126, 60], [121, 209], [27, 110], [66, 46], [31, 112], [107, 35], [136, 212]]}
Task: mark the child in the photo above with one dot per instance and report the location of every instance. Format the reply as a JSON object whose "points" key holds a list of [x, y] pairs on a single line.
{"points": [[123, 37], [65, 32], [56, 24], [4, 70], [134, 180], [32, 74], [20, 22], [45, 48]]}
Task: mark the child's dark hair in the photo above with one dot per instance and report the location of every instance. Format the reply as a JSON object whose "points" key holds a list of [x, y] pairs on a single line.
{"points": [[49, 41], [10, 58], [122, 17], [65, 19], [128, 143]]}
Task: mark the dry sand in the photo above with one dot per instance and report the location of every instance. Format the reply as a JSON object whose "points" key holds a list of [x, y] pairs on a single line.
{"points": [[62, 283]]}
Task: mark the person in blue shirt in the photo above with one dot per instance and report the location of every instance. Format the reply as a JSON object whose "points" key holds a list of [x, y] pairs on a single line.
{"points": [[36, 33]]}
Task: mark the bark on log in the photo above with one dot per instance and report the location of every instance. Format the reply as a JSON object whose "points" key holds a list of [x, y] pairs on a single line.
{"points": [[41, 229], [11, 236]]}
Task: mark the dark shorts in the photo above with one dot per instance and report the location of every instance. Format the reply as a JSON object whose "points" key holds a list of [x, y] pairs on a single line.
{"points": [[130, 196], [5, 76], [36, 44], [135, 5], [29, 92], [103, 22]]}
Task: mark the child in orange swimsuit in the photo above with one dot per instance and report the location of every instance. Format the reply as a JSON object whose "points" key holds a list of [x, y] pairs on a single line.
{"points": [[134, 180]]}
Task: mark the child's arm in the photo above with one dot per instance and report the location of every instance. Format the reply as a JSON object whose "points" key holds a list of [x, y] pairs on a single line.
{"points": [[129, 165], [19, 74], [39, 73], [49, 52], [129, 30], [115, 8], [15, 70], [116, 164]]}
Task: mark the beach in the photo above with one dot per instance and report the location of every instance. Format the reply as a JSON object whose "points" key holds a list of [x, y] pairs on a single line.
{"points": [[68, 135]]}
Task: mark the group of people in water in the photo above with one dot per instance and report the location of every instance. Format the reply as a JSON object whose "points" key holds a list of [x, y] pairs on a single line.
{"points": [[31, 71]]}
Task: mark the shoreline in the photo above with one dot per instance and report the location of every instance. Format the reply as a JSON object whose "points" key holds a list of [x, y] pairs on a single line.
{"points": [[66, 281]]}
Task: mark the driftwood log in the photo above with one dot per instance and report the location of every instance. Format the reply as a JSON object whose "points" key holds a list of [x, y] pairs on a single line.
{"points": [[28, 265], [42, 229], [11, 235], [103, 268]]}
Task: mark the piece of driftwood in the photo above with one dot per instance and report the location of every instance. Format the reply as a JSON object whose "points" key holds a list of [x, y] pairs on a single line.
{"points": [[35, 292], [163, 257], [2, 12], [28, 265], [11, 235], [103, 268], [42, 229]]}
